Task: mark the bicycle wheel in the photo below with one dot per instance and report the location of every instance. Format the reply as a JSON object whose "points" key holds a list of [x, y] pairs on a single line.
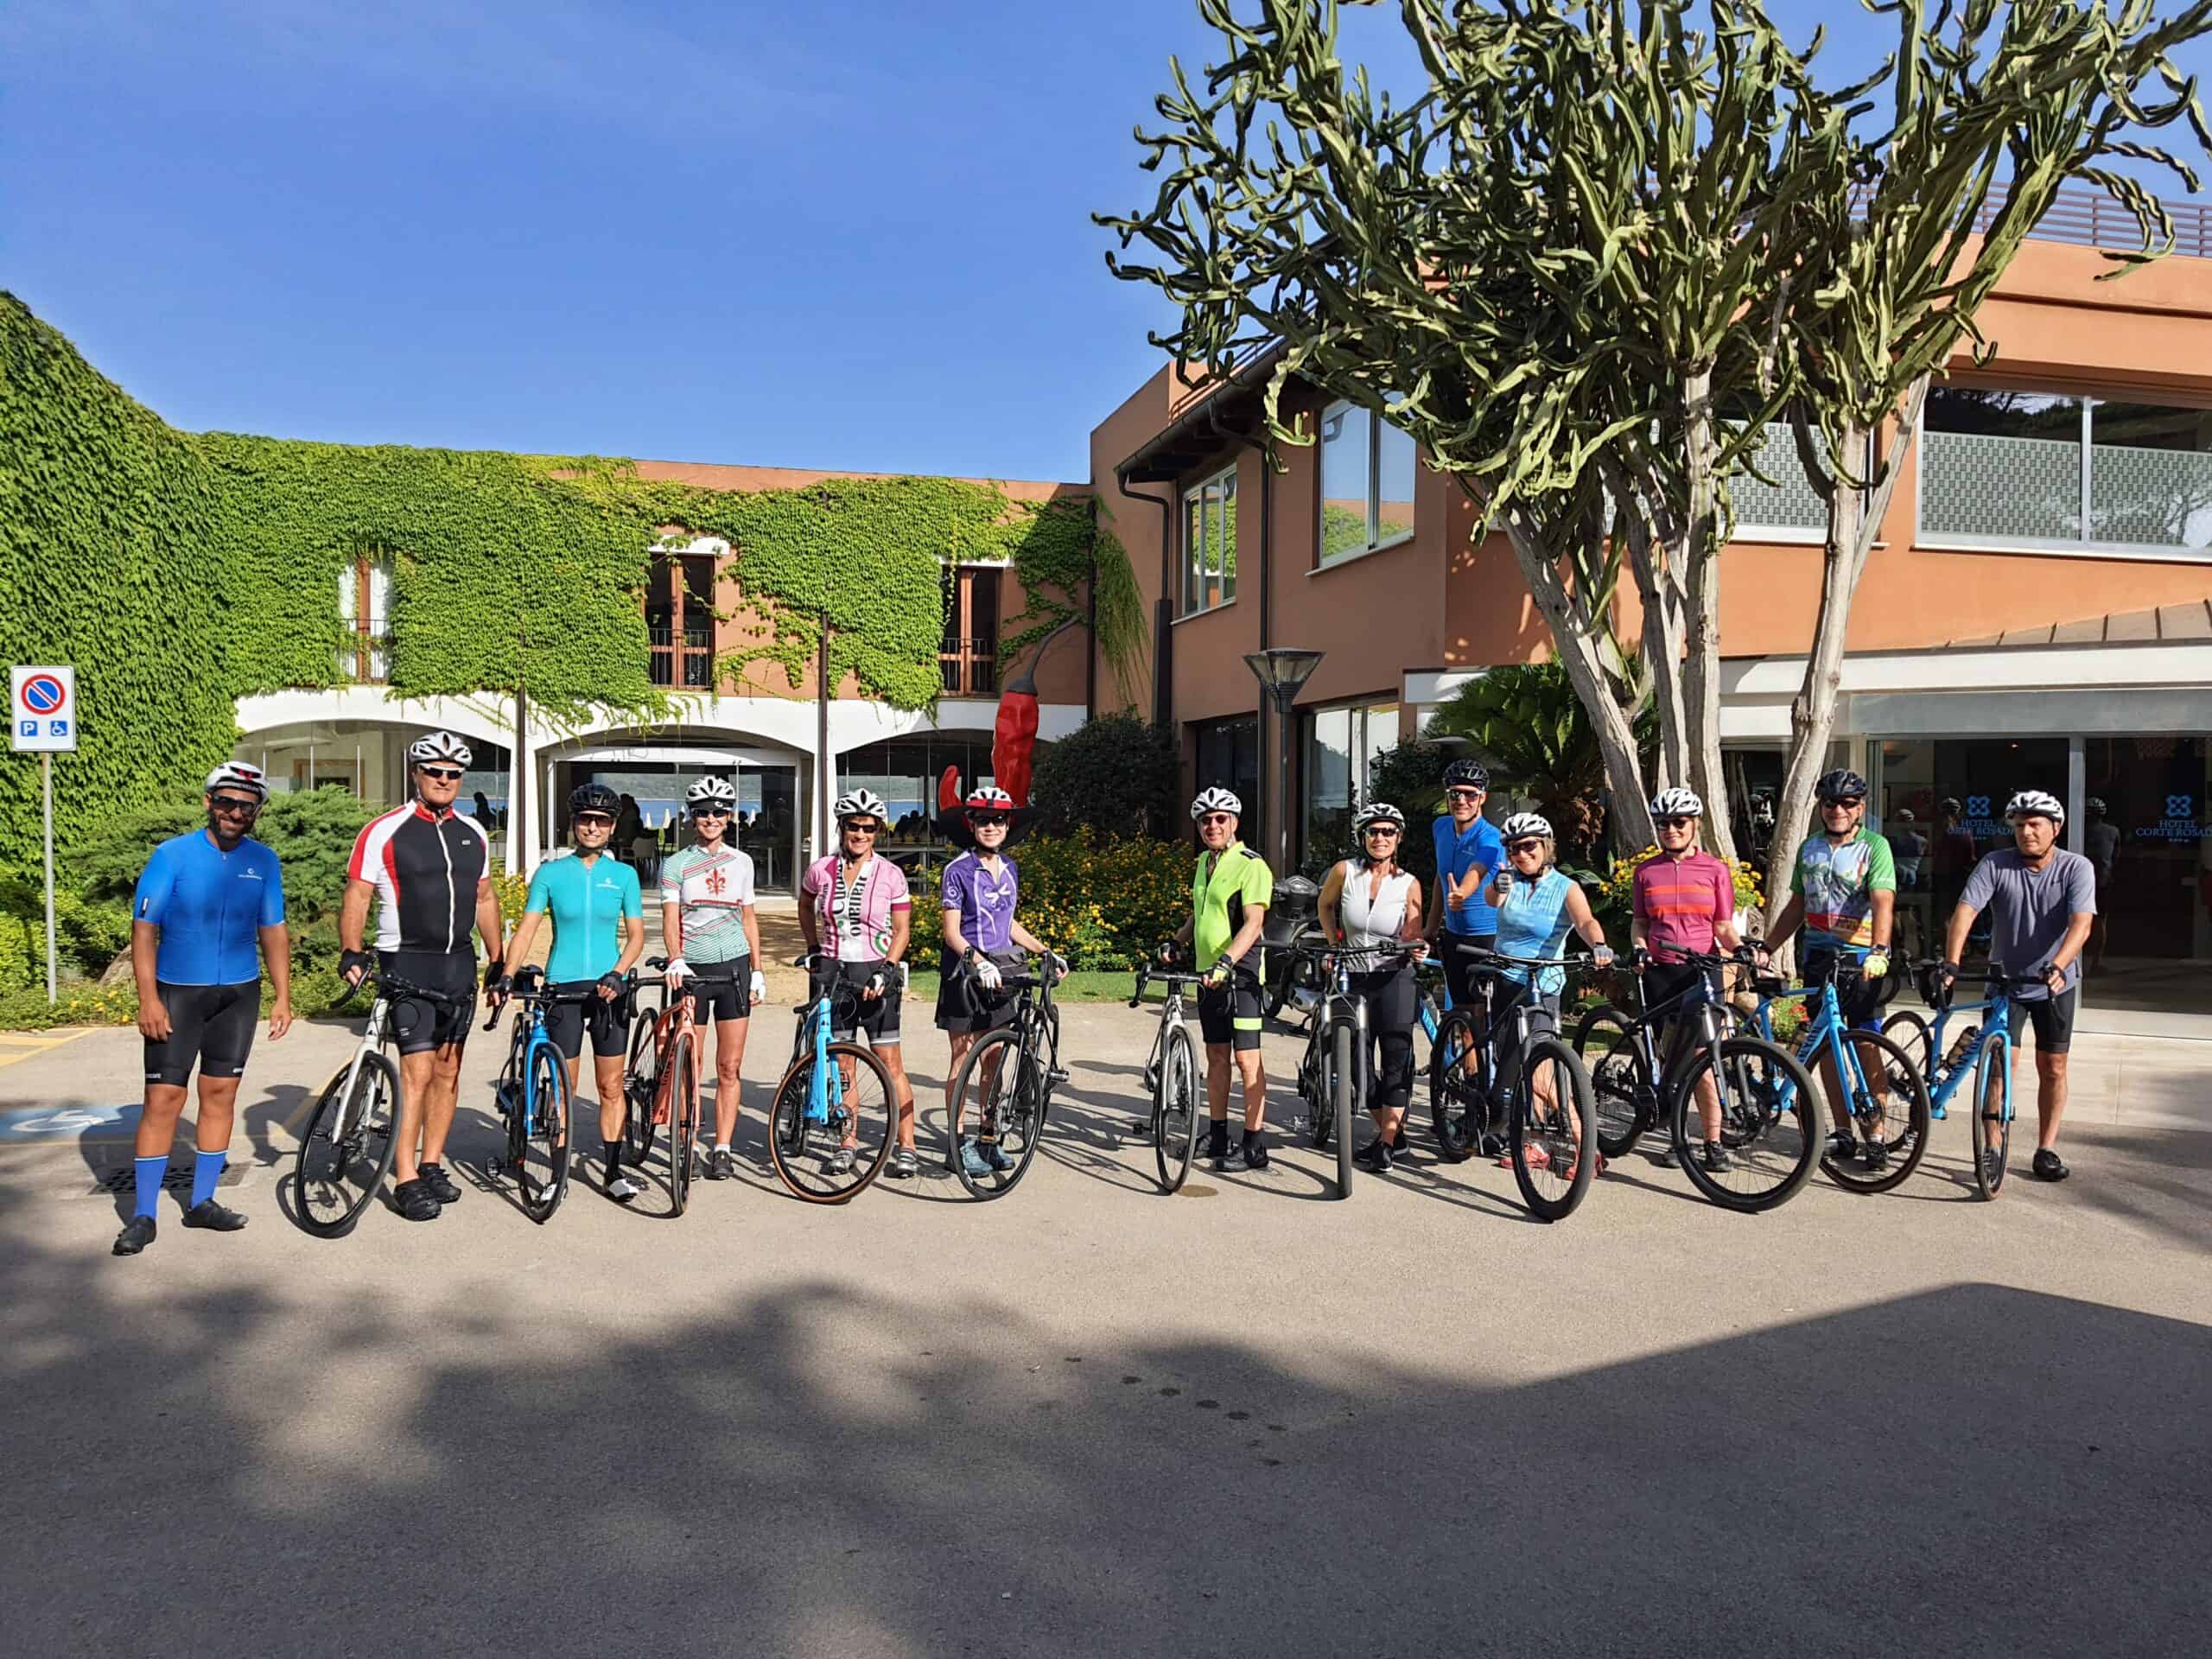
{"points": [[1889, 1108], [1343, 1088], [1769, 1136], [1552, 1123], [1622, 1096], [541, 1165], [1910, 1033], [1457, 1101], [855, 1119], [348, 1149], [1003, 1110], [641, 1087], [1992, 1114], [1175, 1110], [683, 1119]]}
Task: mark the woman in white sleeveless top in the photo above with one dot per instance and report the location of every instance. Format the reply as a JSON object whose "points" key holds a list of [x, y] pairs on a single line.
{"points": [[1368, 902]]}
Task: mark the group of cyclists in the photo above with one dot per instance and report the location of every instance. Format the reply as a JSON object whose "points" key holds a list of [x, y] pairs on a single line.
{"points": [[209, 912]]}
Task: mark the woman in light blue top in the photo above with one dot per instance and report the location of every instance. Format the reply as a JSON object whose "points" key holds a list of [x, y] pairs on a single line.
{"points": [[1537, 905]]}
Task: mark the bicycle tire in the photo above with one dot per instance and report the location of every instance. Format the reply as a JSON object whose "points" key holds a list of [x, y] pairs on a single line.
{"points": [[641, 1088], [1544, 1134], [1768, 1124], [1910, 1033], [1009, 1118], [683, 1119], [1903, 1133], [795, 1143], [356, 1134], [1989, 1181], [1175, 1111], [1622, 1097], [1456, 1101], [541, 1163], [1344, 1086], [1321, 1089]]}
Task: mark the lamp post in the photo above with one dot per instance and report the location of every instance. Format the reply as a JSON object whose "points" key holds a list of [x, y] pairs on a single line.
{"points": [[1281, 670]]}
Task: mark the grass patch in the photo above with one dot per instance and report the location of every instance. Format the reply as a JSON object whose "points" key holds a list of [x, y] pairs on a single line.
{"points": [[1084, 985]]}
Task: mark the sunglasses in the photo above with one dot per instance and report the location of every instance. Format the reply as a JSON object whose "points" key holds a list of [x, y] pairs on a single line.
{"points": [[1463, 794], [1674, 823], [443, 774], [710, 811], [1219, 818], [983, 820], [230, 806], [1521, 847], [1845, 803], [855, 826], [1382, 829], [593, 821]]}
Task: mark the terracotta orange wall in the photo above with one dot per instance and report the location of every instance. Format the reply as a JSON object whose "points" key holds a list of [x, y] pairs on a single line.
{"points": [[1135, 524]]}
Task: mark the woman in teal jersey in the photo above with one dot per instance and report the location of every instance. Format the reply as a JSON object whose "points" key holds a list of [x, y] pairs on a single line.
{"points": [[599, 930]]}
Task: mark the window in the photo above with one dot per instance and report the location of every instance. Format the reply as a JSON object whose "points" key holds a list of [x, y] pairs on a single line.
{"points": [[680, 620], [2035, 469], [1790, 502], [364, 614], [1209, 543], [1340, 748], [1367, 483], [969, 652], [1227, 753]]}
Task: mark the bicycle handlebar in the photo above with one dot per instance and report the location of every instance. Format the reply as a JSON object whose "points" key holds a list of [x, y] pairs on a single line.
{"points": [[1172, 978]]}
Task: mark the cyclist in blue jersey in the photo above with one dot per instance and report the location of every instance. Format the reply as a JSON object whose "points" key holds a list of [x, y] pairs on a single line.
{"points": [[209, 909], [1469, 853], [599, 930]]}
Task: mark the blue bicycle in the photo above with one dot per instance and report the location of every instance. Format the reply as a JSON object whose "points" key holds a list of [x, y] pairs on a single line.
{"points": [[1983, 1051], [1881, 1120], [830, 1126], [532, 1098]]}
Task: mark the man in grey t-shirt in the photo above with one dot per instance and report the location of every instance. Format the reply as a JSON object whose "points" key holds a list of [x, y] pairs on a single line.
{"points": [[2042, 902]]}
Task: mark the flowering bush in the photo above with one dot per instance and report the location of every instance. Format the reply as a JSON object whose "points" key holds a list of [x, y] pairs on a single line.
{"points": [[1102, 903]]}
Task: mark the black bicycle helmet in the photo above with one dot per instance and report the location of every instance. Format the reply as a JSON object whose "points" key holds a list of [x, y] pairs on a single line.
{"points": [[1841, 785], [595, 798], [1466, 774]]}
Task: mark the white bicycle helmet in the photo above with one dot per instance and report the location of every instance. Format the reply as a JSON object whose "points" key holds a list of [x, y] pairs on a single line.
{"points": [[1215, 800], [711, 791], [1677, 804], [236, 774], [438, 746], [860, 803], [987, 797], [2034, 804], [1521, 825], [1377, 812]]}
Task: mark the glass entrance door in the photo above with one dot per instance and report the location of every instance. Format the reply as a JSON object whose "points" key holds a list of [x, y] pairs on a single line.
{"points": [[2145, 828]]}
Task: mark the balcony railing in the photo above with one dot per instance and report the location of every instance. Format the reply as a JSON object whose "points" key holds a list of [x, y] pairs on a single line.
{"points": [[692, 668], [971, 667], [2087, 216]]}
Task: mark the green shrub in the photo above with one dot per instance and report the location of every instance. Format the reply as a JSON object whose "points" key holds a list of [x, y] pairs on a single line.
{"points": [[82, 1003], [1102, 904], [1116, 775], [88, 933]]}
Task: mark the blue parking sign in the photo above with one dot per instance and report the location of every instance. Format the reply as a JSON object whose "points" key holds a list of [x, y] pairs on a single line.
{"points": [[57, 728]]}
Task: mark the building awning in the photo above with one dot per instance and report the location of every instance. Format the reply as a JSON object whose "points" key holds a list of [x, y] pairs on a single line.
{"points": [[2190, 622], [1195, 435]]}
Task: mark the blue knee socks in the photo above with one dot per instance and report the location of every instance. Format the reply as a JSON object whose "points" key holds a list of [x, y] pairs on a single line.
{"points": [[150, 1171], [207, 1167]]}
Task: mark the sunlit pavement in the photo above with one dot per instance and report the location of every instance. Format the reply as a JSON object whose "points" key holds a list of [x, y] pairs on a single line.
{"points": [[1088, 1419]]}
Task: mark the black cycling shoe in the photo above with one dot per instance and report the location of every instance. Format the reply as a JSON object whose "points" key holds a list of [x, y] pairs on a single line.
{"points": [[138, 1233], [415, 1200], [1375, 1156], [2047, 1166], [1875, 1154], [1493, 1144], [1255, 1153], [440, 1184], [1718, 1159], [722, 1165], [214, 1217]]}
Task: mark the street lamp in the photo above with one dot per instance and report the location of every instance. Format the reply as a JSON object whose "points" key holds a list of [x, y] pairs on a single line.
{"points": [[1281, 670]]}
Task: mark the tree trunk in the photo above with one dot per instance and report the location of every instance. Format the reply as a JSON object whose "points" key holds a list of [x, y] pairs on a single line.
{"points": [[1699, 560]]}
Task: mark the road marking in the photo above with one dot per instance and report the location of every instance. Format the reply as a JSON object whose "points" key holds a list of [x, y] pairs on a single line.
{"points": [[30, 1045]]}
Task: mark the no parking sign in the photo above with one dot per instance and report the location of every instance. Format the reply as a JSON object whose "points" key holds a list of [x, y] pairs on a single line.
{"points": [[42, 709]]}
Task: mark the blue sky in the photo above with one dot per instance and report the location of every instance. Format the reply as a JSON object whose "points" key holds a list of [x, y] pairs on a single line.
{"points": [[853, 234]]}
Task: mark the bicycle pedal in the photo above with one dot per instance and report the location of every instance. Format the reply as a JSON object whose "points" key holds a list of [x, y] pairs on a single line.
{"points": [[1056, 1075]]}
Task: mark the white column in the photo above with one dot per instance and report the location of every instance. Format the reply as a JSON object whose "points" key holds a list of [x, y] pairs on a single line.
{"points": [[520, 846]]}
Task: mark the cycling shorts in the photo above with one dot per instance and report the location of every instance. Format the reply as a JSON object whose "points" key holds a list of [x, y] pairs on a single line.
{"points": [[608, 1021], [417, 1025], [1459, 965], [2052, 1018], [964, 1005], [1230, 1014], [1665, 981], [879, 1019], [1544, 1016], [1860, 998], [209, 1025], [721, 990]]}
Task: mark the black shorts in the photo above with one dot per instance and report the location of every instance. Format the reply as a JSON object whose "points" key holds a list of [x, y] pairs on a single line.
{"points": [[721, 990], [1459, 965], [2052, 1018], [609, 1022], [418, 1025], [1664, 981], [879, 1019], [1231, 1015], [209, 1025], [1859, 997], [963, 1006], [1544, 1016]]}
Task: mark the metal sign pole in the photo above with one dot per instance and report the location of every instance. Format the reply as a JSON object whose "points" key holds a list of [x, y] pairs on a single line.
{"points": [[53, 980]]}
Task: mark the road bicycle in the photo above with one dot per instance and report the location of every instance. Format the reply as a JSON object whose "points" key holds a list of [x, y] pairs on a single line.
{"points": [[1512, 1079], [1332, 1072], [1885, 1097], [1983, 1051], [1171, 1077], [1014, 1070], [348, 1148], [531, 1095], [830, 1125], [1768, 1141], [660, 1079]]}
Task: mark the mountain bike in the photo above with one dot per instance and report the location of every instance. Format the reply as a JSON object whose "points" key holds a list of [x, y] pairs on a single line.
{"points": [[1884, 1095], [531, 1095], [660, 1080], [1332, 1072], [1171, 1077], [1511, 1078], [1014, 1069], [1643, 1075], [1982, 1051], [829, 1126], [349, 1144]]}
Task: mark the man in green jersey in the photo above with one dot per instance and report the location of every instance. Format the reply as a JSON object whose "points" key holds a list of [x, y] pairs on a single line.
{"points": [[1230, 892]]}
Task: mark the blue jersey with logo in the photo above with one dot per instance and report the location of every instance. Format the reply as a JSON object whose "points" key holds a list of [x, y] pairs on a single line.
{"points": [[1478, 847], [209, 904], [588, 900], [1533, 921]]}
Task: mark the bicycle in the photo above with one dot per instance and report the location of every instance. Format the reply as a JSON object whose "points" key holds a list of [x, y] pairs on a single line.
{"points": [[1333, 1071], [1546, 1129], [1897, 1140], [531, 1095], [350, 1141], [1171, 1077], [830, 1124], [1769, 1139], [1015, 1070], [1982, 1051], [660, 1080]]}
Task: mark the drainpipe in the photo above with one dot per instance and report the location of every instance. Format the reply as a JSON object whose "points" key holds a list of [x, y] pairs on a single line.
{"points": [[1163, 662], [1090, 625]]}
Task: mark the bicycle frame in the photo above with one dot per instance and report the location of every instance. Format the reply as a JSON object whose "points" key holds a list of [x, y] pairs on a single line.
{"points": [[1826, 1033], [1951, 1075]]}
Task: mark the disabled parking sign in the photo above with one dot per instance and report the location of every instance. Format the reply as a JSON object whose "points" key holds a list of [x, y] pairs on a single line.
{"points": [[42, 709]]}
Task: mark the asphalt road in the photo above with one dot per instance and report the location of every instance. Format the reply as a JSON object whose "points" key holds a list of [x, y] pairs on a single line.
{"points": [[1090, 1420]]}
